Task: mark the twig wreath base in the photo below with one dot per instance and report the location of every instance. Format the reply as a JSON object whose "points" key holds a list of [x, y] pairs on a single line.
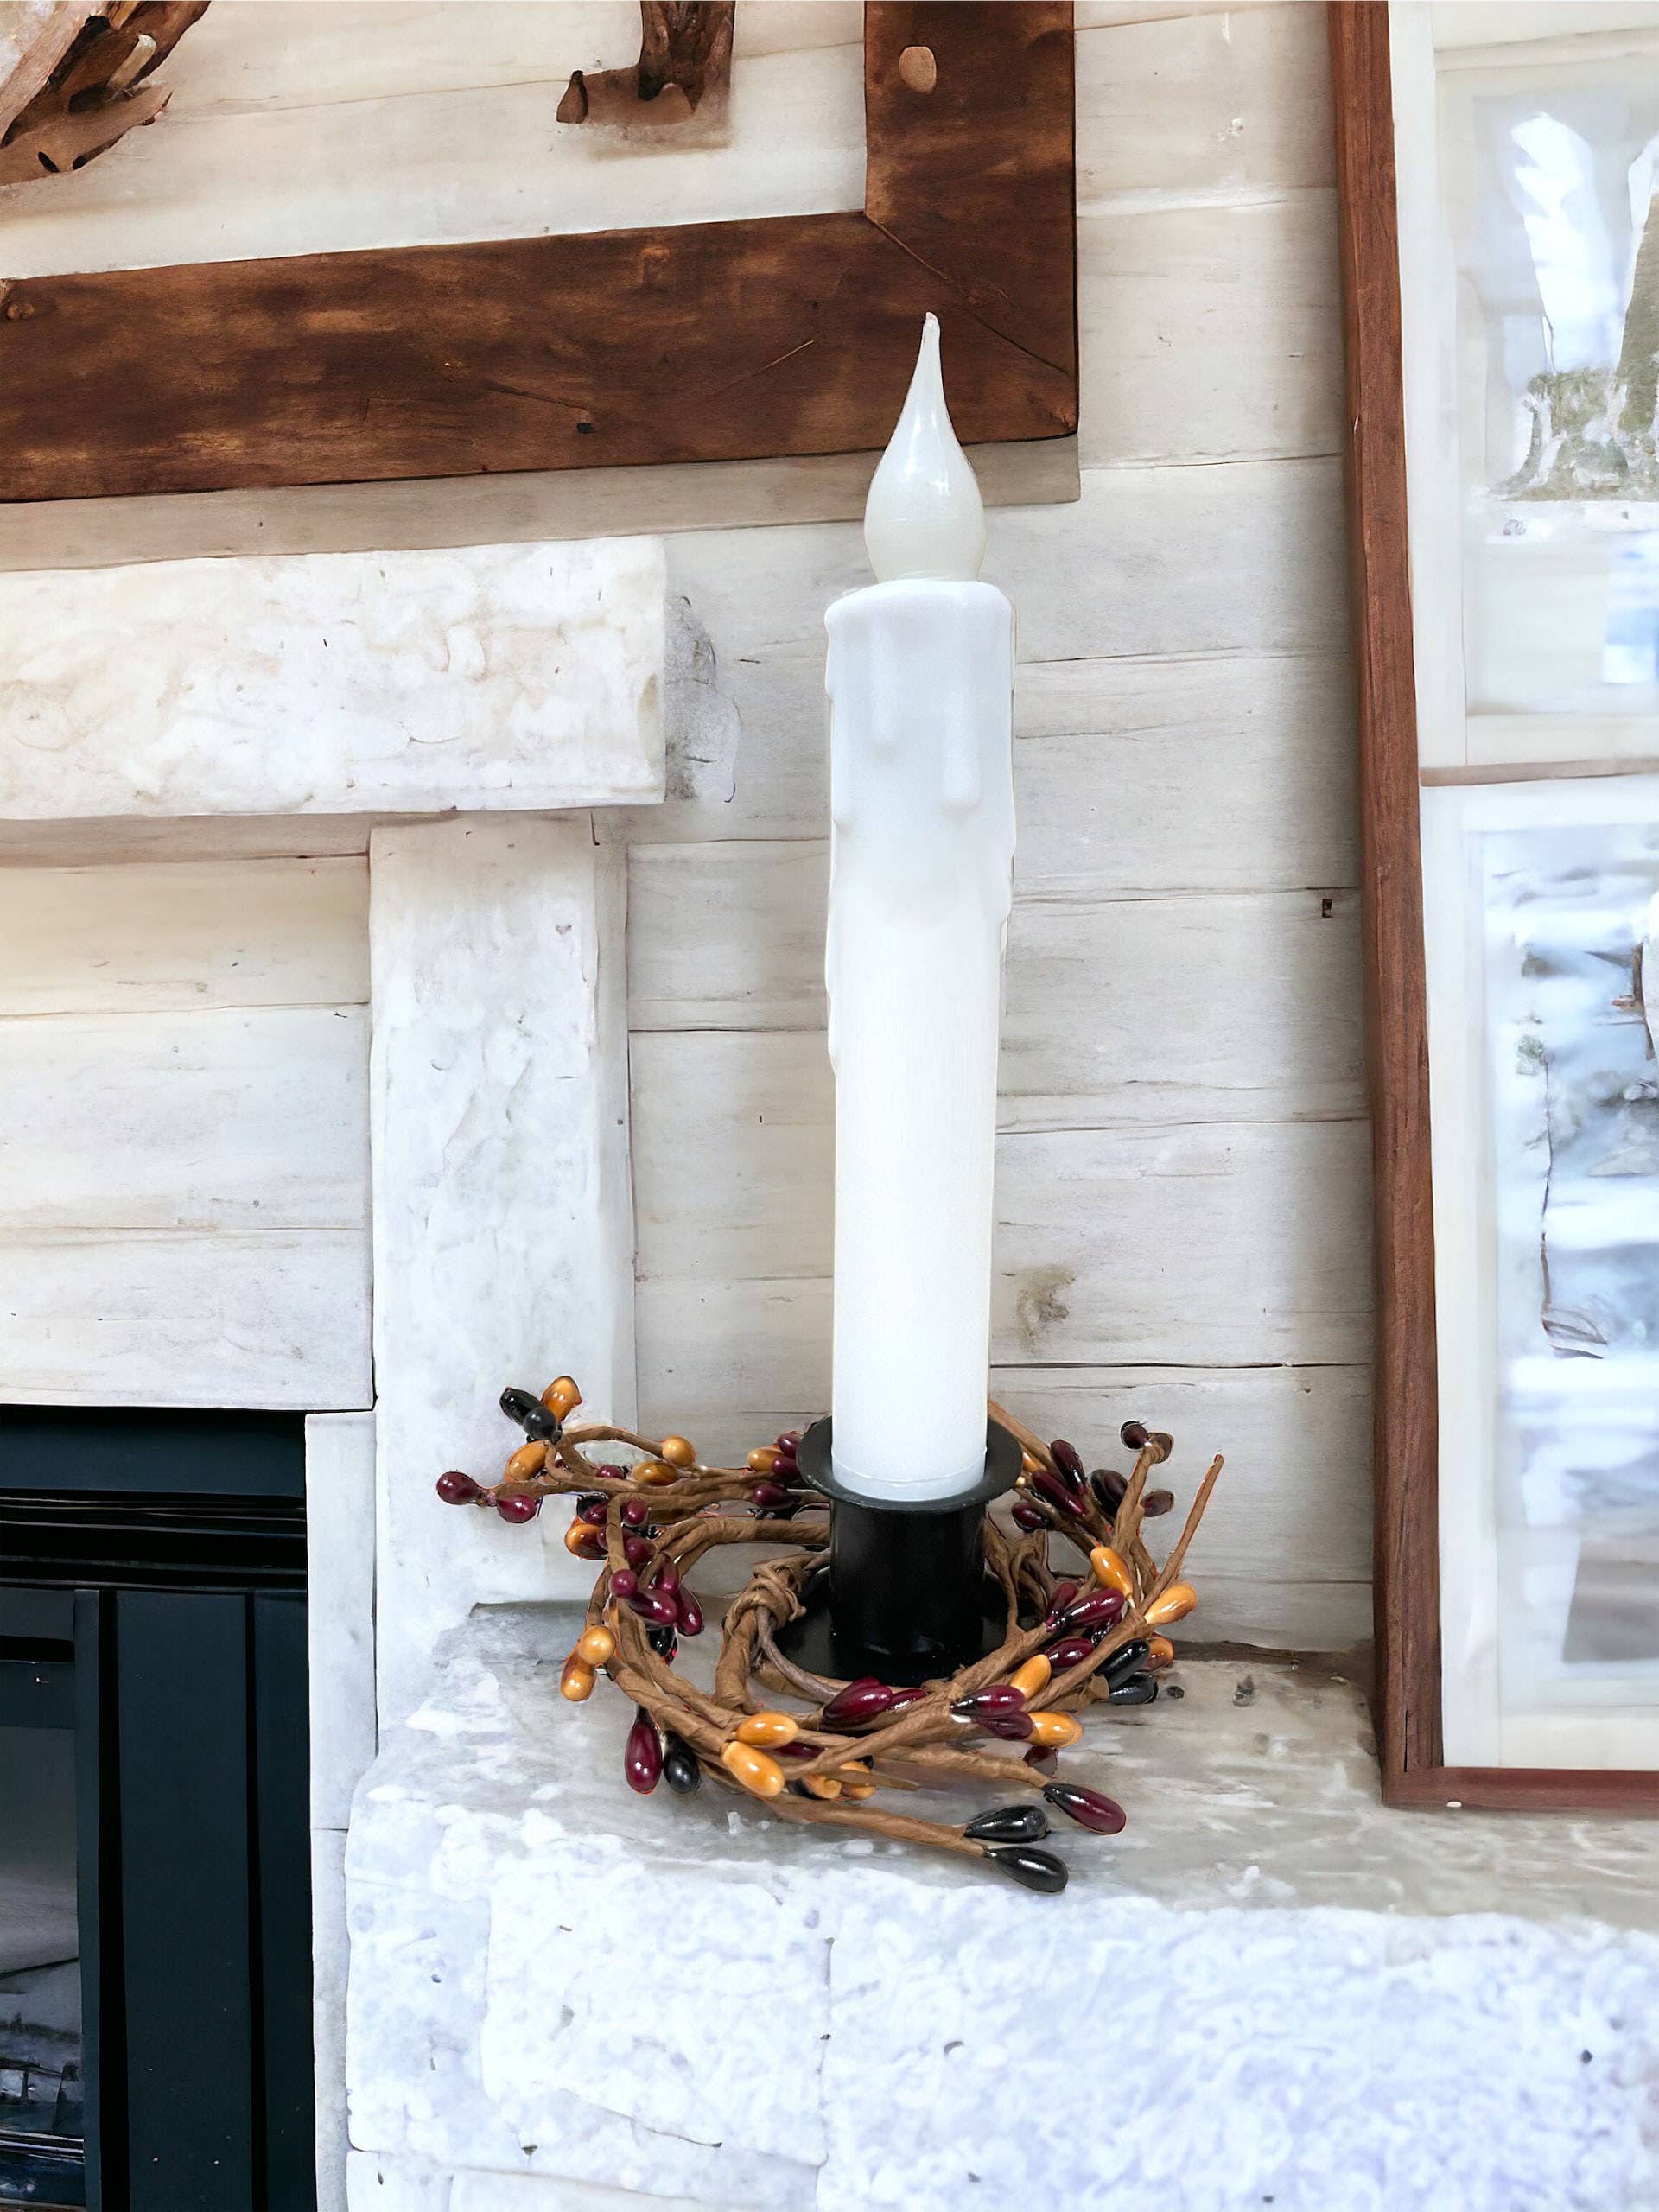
{"points": [[841, 1755]]}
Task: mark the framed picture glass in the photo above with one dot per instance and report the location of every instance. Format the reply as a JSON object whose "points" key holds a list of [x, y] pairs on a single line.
{"points": [[1497, 171]]}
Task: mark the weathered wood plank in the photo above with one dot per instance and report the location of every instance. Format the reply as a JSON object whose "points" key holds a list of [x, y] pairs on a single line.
{"points": [[1158, 1008], [172, 935], [249, 178], [447, 510], [1207, 1244], [520, 676], [1153, 775], [579, 350], [1202, 773], [1284, 1557], [1210, 332], [1247, 559], [278, 1318], [223, 1123], [1207, 103]]}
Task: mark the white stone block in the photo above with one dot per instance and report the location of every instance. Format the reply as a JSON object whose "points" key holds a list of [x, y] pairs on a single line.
{"points": [[1268, 1988], [502, 1218], [340, 1588], [477, 677], [330, 1957]]}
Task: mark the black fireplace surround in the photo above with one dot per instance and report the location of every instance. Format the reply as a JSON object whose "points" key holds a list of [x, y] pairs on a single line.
{"points": [[153, 1627]]}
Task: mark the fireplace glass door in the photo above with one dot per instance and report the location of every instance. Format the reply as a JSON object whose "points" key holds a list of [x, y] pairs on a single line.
{"points": [[155, 1899]]}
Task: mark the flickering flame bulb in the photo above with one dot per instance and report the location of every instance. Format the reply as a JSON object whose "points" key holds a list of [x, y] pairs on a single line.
{"points": [[923, 515]]}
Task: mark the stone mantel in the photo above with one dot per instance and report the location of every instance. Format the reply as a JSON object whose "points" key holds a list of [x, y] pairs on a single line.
{"points": [[1268, 1990], [450, 716]]}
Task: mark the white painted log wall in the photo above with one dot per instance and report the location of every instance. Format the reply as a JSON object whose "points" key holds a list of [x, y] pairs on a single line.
{"points": [[1184, 1137], [183, 1135], [1183, 1175]]}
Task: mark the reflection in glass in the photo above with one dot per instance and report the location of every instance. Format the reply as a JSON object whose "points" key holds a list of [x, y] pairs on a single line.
{"points": [[1573, 1101], [1550, 170], [40, 1972]]}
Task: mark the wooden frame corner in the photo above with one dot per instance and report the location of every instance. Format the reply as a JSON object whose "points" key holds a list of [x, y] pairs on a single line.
{"points": [[719, 341]]}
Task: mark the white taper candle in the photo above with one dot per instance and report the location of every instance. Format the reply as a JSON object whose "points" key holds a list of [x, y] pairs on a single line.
{"points": [[920, 680]]}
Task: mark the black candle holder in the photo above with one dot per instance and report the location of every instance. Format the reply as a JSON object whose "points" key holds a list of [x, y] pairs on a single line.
{"points": [[905, 1596]]}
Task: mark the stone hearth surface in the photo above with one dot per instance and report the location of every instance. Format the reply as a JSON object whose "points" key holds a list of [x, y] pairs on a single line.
{"points": [[1268, 1991]]}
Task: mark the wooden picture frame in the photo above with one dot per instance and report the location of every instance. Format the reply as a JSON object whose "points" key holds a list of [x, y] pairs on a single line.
{"points": [[716, 341], [1397, 1018]]}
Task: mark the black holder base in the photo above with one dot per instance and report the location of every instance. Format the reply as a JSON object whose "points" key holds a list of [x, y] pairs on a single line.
{"points": [[906, 1596]]}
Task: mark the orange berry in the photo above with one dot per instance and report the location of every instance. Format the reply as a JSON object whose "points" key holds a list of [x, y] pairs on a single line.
{"points": [[768, 1729], [528, 1460], [762, 1460], [821, 1785], [858, 1789], [1175, 1604], [678, 1451], [758, 1774], [1112, 1570], [583, 1543], [596, 1647], [1054, 1731], [1032, 1677], [561, 1396], [576, 1682], [653, 1474], [1030, 1464], [1161, 1652]]}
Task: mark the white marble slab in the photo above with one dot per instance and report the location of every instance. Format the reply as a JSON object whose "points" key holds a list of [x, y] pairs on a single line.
{"points": [[481, 676], [1322, 2004]]}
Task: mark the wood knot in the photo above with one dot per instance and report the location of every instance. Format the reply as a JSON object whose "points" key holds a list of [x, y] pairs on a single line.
{"points": [[917, 68]]}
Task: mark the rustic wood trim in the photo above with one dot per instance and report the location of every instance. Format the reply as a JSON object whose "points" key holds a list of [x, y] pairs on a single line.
{"points": [[716, 341], [1396, 1023], [1525, 1789], [1408, 1595]]}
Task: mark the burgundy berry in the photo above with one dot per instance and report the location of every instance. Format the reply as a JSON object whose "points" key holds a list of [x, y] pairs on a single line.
{"points": [[768, 1497], [626, 1583], [901, 1697], [690, 1613], [790, 1441], [1109, 1487], [517, 1510], [667, 1577], [995, 1697], [1028, 1517], [1056, 1492], [1157, 1503], [615, 1474], [457, 1488], [636, 1550], [635, 1513], [1072, 1651], [1067, 1459], [1136, 1435], [1086, 1807], [593, 1509], [1098, 1611], [642, 1756], [1014, 1727], [860, 1700], [1064, 1594], [1043, 1757], [655, 1606]]}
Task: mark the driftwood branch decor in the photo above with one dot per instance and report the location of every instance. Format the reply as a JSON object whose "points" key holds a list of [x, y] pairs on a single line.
{"points": [[698, 342], [685, 68], [846, 1749], [77, 79]]}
